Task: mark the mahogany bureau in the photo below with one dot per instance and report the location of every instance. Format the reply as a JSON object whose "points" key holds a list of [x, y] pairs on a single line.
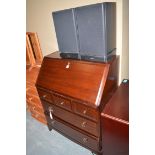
{"points": [[73, 94]]}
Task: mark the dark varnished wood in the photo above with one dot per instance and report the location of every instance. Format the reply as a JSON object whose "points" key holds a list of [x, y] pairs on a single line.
{"points": [[118, 106], [74, 97], [111, 81], [79, 122], [83, 80], [115, 123], [62, 101], [45, 95], [86, 111], [74, 135]]}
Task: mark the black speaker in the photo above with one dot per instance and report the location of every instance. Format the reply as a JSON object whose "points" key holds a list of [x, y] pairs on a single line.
{"points": [[65, 27], [87, 30], [96, 29]]}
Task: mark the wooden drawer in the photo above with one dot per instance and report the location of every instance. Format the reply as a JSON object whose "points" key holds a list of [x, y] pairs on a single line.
{"points": [[31, 90], [78, 121], [86, 111], [73, 134], [62, 101], [33, 100], [45, 95], [28, 84], [34, 107]]}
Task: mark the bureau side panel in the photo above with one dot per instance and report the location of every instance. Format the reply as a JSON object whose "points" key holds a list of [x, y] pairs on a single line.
{"points": [[115, 137]]}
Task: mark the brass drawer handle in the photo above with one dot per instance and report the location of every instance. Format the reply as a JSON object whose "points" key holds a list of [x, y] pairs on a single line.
{"points": [[85, 140], [83, 124], [84, 111], [44, 96], [62, 103]]}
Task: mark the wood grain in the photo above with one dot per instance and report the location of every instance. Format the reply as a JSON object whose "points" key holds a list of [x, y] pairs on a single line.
{"points": [[115, 123], [33, 50], [32, 98], [73, 93], [83, 80]]}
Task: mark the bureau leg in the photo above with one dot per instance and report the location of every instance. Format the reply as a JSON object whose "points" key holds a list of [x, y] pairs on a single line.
{"points": [[96, 153], [50, 128]]}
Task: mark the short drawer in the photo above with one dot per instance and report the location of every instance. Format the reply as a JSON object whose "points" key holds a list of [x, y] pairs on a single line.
{"points": [[62, 101], [78, 121], [86, 111], [45, 95], [75, 135]]}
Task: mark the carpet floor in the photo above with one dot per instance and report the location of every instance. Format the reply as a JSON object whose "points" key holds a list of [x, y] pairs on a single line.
{"points": [[41, 141]]}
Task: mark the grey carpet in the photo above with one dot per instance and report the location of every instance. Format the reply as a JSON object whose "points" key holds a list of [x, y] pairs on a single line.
{"points": [[41, 141]]}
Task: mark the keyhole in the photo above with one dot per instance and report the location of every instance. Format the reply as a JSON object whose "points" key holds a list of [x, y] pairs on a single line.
{"points": [[68, 65]]}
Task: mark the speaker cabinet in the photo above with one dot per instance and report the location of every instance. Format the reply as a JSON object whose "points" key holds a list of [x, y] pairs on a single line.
{"points": [[95, 29], [88, 30], [65, 27]]}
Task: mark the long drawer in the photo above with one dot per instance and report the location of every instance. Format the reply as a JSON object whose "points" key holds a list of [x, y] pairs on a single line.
{"points": [[78, 121], [74, 135]]}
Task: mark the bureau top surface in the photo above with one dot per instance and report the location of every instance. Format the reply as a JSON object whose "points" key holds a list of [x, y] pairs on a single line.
{"points": [[118, 106], [78, 79]]}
